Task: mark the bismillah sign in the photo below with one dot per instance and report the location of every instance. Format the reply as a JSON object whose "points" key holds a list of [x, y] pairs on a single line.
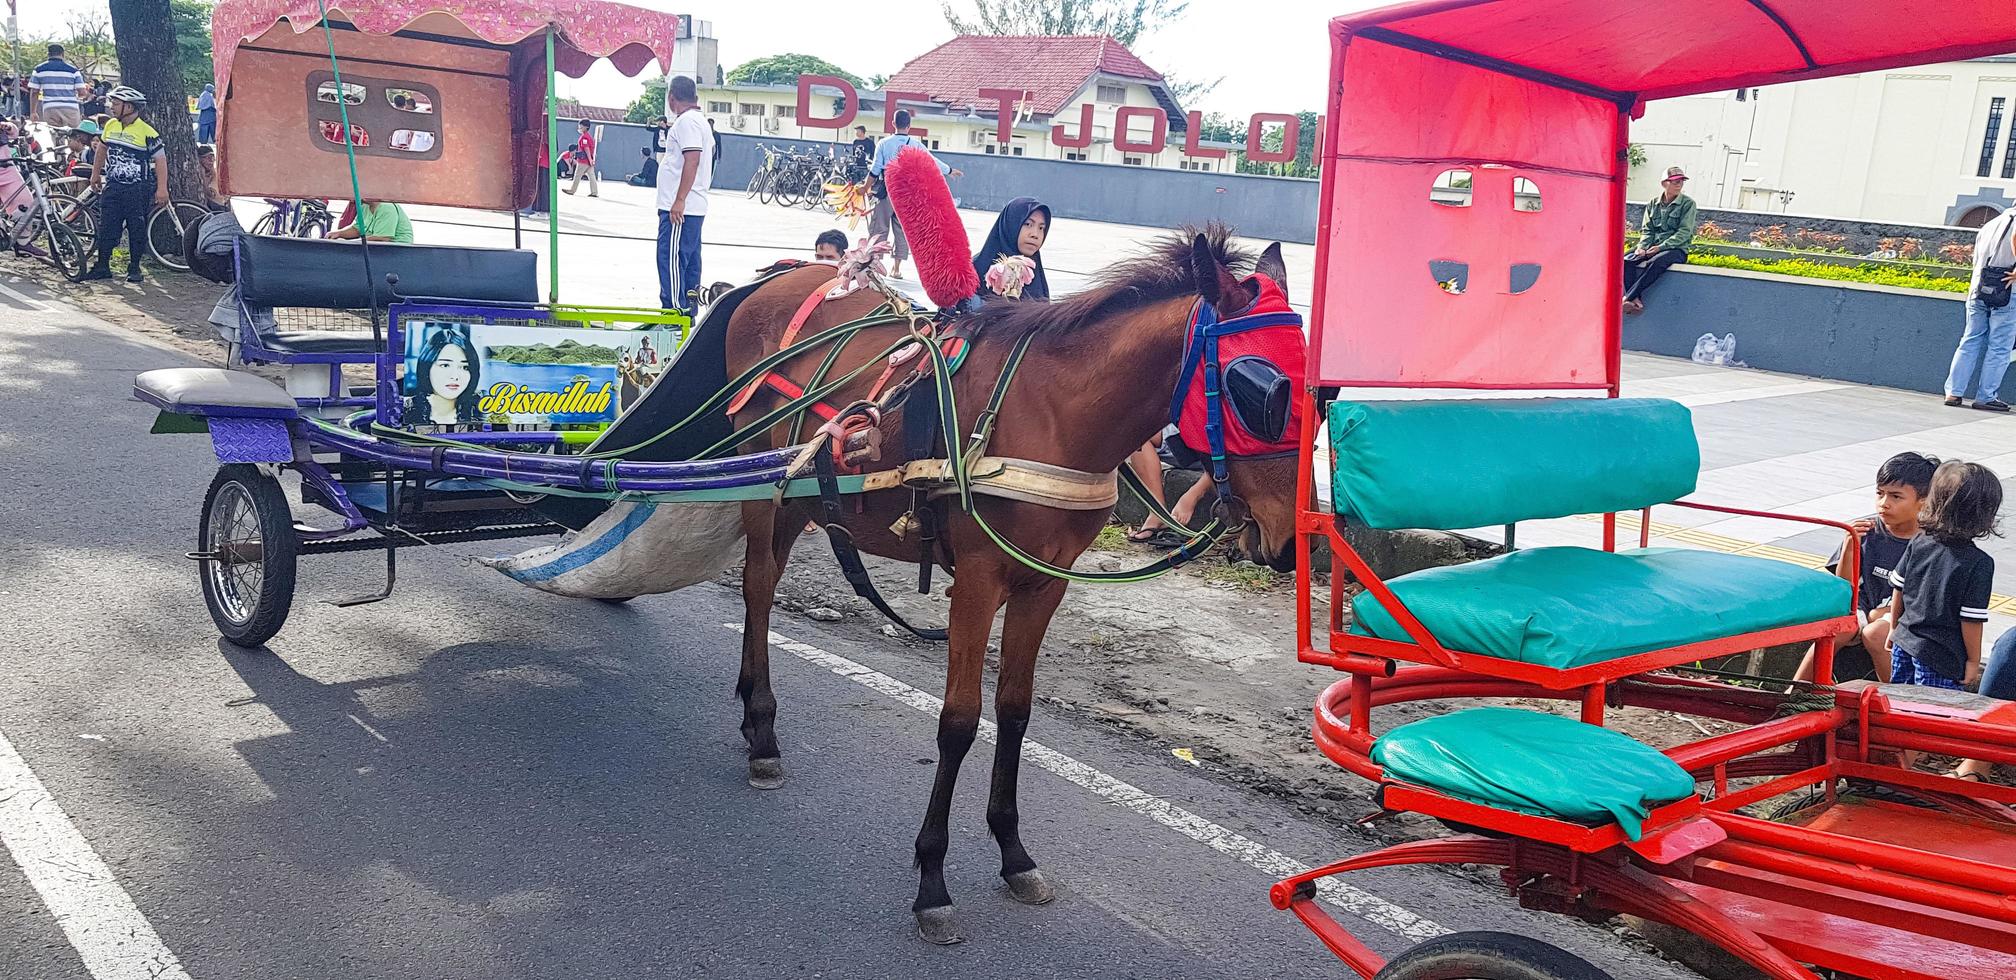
{"points": [[1128, 122]]}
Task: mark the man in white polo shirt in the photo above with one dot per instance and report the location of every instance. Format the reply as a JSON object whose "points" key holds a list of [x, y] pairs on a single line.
{"points": [[683, 180], [54, 86]]}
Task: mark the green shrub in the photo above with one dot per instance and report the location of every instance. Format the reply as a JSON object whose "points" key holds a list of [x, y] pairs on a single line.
{"points": [[1874, 274]]}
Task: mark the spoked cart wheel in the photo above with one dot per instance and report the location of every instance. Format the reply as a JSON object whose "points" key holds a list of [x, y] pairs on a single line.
{"points": [[1488, 956], [247, 548]]}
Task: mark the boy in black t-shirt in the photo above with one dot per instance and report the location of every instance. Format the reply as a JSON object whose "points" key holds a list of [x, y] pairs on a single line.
{"points": [[1901, 485], [1943, 581]]}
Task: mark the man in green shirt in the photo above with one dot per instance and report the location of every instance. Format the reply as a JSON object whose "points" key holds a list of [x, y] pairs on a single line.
{"points": [[382, 221], [1667, 230]]}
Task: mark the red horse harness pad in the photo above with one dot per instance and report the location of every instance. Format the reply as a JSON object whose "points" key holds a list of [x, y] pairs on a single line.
{"points": [[1250, 360]]}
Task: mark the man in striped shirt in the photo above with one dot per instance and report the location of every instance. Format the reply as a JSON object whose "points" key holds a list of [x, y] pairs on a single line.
{"points": [[55, 84]]}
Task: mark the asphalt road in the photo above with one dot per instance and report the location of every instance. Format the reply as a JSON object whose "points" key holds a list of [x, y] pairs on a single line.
{"points": [[477, 780]]}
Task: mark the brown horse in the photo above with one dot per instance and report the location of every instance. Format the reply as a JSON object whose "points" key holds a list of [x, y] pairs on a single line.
{"points": [[1094, 386]]}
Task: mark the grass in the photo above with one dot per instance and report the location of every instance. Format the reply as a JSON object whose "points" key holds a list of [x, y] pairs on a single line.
{"points": [[1112, 537], [1244, 576], [1804, 269]]}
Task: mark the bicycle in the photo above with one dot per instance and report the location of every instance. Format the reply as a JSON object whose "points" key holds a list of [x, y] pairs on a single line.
{"points": [[166, 228], [295, 219], [38, 226]]}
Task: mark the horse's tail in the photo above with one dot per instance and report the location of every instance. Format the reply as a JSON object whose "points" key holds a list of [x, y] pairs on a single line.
{"points": [[931, 222]]}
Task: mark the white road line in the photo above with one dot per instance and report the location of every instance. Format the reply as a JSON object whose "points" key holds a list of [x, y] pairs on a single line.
{"points": [[111, 936], [1358, 902], [25, 300]]}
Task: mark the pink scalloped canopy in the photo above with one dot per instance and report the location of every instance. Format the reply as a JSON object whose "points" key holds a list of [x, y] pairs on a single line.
{"points": [[630, 37]]}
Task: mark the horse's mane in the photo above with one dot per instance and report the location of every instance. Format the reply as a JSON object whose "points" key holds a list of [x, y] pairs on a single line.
{"points": [[1163, 272]]}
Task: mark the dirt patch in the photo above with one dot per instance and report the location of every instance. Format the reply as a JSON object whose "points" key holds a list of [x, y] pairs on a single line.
{"points": [[172, 307]]}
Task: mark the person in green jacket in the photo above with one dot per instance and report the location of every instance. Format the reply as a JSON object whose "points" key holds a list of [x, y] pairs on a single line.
{"points": [[1668, 228]]}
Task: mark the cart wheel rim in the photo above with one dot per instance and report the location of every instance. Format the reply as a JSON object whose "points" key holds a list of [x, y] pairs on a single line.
{"points": [[238, 570]]}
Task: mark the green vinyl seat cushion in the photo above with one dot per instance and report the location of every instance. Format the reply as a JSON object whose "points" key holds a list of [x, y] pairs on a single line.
{"points": [[1454, 464], [1536, 763], [1569, 607]]}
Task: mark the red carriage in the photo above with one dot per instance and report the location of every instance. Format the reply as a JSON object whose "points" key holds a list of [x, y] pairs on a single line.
{"points": [[1526, 108]]}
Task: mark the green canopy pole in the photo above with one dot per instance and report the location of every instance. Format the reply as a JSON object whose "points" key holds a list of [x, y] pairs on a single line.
{"points": [[552, 177]]}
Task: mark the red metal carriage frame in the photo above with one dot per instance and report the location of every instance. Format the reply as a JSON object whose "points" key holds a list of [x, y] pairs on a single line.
{"points": [[1838, 889]]}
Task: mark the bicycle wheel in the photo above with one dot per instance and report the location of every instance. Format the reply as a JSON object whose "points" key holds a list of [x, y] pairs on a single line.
{"points": [[264, 226], [69, 252], [315, 226], [165, 228], [766, 186], [790, 184], [75, 213]]}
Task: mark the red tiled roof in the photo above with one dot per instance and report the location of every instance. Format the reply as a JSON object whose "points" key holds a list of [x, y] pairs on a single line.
{"points": [[571, 109], [1053, 68]]}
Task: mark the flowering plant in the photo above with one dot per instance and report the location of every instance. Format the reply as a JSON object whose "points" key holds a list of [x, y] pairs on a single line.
{"points": [[1009, 274]]}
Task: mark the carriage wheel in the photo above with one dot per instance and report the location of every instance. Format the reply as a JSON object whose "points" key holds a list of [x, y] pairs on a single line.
{"points": [[248, 539], [1488, 956]]}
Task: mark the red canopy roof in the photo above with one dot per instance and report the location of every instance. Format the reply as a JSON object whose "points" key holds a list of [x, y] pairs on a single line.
{"points": [[1053, 68], [630, 37], [1666, 49], [1474, 164]]}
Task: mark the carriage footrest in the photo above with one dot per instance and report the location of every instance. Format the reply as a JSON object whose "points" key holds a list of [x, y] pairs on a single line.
{"points": [[409, 539]]}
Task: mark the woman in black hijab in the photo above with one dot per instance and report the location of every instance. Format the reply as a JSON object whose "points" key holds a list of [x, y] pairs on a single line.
{"points": [[1019, 230]]}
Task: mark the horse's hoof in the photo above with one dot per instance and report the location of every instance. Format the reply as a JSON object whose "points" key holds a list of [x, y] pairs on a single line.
{"points": [[766, 773], [1030, 887], [937, 927]]}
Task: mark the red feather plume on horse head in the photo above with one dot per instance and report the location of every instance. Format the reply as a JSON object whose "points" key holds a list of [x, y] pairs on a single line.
{"points": [[931, 223]]}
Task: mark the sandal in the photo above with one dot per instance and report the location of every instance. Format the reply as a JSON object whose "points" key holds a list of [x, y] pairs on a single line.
{"points": [[1972, 777], [1162, 537]]}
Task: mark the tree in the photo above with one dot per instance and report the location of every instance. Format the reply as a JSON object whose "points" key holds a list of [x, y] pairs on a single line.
{"points": [[144, 32], [648, 106], [192, 42], [784, 69], [1122, 20]]}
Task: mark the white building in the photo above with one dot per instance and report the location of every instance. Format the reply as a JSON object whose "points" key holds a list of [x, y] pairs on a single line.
{"points": [[1931, 145], [1065, 75]]}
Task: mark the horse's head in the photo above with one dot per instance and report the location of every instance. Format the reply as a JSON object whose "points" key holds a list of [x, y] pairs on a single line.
{"points": [[1263, 483]]}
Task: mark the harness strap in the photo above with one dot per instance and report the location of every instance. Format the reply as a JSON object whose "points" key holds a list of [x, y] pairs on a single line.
{"points": [[797, 323], [849, 557]]}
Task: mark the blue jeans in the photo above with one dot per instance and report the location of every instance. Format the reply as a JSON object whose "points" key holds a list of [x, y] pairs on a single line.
{"points": [[1984, 347], [676, 282], [1998, 675]]}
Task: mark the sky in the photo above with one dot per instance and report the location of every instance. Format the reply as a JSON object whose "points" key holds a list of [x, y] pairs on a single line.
{"points": [[1276, 61], [1274, 55]]}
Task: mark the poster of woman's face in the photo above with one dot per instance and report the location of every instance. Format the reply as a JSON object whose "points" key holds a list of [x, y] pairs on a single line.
{"points": [[442, 376]]}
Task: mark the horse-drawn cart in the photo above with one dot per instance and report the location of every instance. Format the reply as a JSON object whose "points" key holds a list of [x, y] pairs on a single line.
{"points": [[1796, 843]]}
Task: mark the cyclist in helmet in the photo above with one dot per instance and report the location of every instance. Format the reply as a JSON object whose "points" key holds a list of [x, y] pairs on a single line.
{"points": [[131, 178]]}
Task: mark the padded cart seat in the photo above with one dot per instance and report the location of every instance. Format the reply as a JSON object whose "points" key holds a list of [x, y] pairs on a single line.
{"points": [[1536, 763], [320, 342], [212, 391], [1568, 607]]}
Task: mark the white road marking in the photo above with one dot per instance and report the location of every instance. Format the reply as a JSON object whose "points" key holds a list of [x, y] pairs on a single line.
{"points": [[24, 299], [1358, 902], [110, 935]]}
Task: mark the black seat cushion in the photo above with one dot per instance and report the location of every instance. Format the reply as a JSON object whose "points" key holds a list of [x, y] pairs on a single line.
{"points": [[320, 342], [329, 275]]}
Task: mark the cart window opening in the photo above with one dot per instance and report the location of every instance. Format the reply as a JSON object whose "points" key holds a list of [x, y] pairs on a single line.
{"points": [[408, 100], [1450, 276], [332, 131], [1524, 275], [1452, 189], [411, 140], [1525, 196], [352, 94]]}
